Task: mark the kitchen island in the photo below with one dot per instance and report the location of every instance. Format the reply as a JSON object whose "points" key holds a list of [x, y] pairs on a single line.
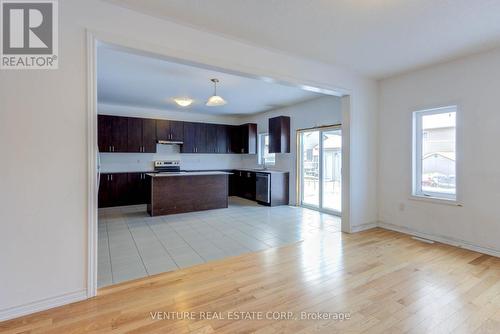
{"points": [[187, 192]]}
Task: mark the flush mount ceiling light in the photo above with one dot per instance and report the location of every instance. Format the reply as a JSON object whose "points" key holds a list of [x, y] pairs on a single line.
{"points": [[215, 100], [183, 101]]}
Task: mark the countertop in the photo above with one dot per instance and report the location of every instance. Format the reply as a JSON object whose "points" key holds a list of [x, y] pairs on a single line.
{"points": [[123, 172], [254, 170], [268, 171], [187, 174]]}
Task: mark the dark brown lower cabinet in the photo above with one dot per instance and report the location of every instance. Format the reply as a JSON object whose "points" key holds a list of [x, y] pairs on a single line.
{"points": [[112, 190], [118, 189], [244, 184], [138, 188], [247, 184], [232, 188]]}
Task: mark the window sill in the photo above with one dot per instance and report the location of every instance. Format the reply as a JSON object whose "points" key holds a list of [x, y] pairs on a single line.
{"points": [[436, 200]]}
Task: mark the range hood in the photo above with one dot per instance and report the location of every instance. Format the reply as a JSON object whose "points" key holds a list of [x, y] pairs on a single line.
{"points": [[170, 142]]}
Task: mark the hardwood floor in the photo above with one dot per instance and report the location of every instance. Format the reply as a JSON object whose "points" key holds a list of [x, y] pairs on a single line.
{"points": [[385, 281]]}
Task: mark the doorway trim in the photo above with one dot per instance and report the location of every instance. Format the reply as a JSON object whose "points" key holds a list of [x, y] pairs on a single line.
{"points": [[92, 168], [182, 57]]}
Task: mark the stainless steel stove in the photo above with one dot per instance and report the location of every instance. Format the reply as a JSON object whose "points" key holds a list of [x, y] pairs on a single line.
{"points": [[167, 166]]}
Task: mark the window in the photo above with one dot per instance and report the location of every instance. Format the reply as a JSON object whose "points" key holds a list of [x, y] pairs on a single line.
{"points": [[265, 158], [434, 153]]}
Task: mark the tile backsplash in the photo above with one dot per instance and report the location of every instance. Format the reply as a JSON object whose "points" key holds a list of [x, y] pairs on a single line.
{"points": [[138, 162]]}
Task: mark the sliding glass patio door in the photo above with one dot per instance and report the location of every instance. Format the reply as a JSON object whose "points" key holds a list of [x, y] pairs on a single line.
{"points": [[319, 169]]}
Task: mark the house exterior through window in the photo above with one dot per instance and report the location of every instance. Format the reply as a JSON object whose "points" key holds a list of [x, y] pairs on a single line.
{"points": [[434, 153]]}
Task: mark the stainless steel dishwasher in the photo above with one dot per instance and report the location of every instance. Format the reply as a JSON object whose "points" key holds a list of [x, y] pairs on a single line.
{"points": [[263, 188]]}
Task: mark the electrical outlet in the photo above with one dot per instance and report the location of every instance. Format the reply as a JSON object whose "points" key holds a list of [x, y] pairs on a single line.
{"points": [[401, 206]]}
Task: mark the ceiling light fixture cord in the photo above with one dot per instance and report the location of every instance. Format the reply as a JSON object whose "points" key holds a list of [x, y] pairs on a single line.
{"points": [[215, 81]]}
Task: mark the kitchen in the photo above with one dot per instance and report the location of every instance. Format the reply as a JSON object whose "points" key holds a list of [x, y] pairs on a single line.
{"points": [[118, 134], [198, 165]]}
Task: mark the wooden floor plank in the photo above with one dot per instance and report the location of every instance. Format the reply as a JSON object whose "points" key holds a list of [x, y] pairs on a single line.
{"points": [[384, 281]]}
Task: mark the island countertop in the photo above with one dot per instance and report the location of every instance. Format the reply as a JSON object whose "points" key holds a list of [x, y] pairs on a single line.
{"points": [[188, 173]]}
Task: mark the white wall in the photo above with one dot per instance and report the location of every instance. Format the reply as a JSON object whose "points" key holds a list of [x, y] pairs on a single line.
{"points": [[138, 162], [473, 84], [43, 139], [321, 111]]}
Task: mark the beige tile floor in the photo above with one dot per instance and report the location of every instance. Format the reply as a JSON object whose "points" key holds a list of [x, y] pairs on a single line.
{"points": [[133, 245]]}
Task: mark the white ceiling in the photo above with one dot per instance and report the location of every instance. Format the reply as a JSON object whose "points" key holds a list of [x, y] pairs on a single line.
{"points": [[378, 38], [138, 80]]}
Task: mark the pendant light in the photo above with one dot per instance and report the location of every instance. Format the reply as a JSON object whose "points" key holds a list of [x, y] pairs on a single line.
{"points": [[183, 101], [215, 100]]}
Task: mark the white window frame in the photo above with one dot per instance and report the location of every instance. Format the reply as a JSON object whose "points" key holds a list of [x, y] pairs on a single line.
{"points": [[260, 151], [417, 191]]}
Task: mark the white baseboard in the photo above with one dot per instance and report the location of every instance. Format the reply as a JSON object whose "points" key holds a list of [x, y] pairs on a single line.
{"points": [[444, 240], [42, 305], [363, 227]]}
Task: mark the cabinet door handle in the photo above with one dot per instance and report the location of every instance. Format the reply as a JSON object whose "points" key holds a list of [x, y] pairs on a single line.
{"points": [[113, 151], [109, 149], [111, 177]]}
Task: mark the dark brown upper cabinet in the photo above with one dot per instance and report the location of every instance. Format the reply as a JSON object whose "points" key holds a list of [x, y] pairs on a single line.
{"points": [[223, 138], [201, 137], [195, 138], [246, 138], [112, 133], [211, 146], [170, 130], [279, 134], [189, 144], [141, 134], [236, 139]]}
